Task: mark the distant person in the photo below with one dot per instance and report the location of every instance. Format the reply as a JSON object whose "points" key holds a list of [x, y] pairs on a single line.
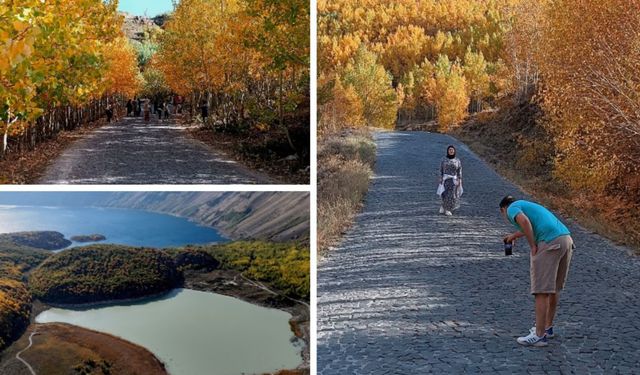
{"points": [[167, 110], [160, 111], [450, 187], [551, 250], [129, 108], [109, 112], [204, 108], [138, 107], [146, 108]]}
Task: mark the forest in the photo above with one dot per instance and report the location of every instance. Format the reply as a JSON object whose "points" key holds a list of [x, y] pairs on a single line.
{"points": [[556, 82], [15, 299], [100, 273]]}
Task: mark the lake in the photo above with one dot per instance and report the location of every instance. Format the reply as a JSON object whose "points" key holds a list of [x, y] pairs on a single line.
{"points": [[196, 332], [120, 226]]}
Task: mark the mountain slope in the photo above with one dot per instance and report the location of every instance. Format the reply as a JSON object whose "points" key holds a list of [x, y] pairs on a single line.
{"points": [[273, 216]]}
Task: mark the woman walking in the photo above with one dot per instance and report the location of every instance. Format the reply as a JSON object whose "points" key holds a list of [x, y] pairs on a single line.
{"points": [[450, 188]]}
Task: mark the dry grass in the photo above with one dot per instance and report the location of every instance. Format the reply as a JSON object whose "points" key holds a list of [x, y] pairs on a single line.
{"points": [[345, 164], [66, 349]]}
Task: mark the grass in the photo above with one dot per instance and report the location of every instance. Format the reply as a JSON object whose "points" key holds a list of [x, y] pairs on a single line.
{"points": [[345, 165]]}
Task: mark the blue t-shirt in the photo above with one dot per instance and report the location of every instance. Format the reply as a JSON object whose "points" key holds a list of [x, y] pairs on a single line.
{"points": [[546, 226]]}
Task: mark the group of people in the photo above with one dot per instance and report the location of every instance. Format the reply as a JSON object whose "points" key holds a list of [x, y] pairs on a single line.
{"points": [[549, 240], [145, 107]]}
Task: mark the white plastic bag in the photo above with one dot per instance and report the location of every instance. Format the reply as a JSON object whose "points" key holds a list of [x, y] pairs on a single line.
{"points": [[440, 189]]}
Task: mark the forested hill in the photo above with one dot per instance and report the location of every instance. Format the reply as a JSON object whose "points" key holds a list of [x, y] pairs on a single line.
{"points": [[103, 272], [239, 215]]}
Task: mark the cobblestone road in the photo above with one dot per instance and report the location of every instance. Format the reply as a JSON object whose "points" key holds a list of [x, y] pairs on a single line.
{"points": [[410, 291], [135, 152]]}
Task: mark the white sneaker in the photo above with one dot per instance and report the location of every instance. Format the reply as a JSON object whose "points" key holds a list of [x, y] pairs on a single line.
{"points": [[441, 209], [549, 332], [533, 340], [448, 213]]}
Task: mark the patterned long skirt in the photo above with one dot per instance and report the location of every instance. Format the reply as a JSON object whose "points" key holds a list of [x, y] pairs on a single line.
{"points": [[450, 201]]}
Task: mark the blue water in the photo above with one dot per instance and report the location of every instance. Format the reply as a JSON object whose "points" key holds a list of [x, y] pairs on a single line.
{"points": [[120, 226]]}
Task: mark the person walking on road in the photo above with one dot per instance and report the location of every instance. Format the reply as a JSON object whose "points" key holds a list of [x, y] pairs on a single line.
{"points": [[450, 187], [167, 110], [551, 250], [146, 108], [109, 112], [129, 108]]}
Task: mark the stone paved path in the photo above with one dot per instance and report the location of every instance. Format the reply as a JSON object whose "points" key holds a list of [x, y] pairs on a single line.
{"points": [[134, 152], [412, 292]]}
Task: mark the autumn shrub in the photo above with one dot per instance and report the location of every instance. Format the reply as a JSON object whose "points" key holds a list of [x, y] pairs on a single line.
{"points": [[590, 67], [345, 165]]}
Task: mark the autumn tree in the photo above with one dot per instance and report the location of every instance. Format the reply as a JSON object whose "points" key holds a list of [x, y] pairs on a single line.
{"points": [[247, 59], [50, 62], [445, 85], [372, 84], [404, 34], [590, 67]]}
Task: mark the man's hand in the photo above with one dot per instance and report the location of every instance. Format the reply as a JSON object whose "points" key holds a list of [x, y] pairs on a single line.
{"points": [[508, 238]]}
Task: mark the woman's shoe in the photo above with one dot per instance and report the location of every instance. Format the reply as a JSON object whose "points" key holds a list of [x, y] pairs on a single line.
{"points": [[448, 213]]}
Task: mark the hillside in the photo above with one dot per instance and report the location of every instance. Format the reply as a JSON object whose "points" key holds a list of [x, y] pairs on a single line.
{"points": [[248, 215], [46, 240], [103, 272], [15, 299], [135, 27], [267, 216], [285, 266]]}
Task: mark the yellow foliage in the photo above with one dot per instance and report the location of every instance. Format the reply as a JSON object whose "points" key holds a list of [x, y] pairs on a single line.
{"points": [[406, 34], [343, 110]]}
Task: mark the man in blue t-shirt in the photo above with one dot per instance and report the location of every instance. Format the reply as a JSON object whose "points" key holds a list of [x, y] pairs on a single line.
{"points": [[551, 249]]}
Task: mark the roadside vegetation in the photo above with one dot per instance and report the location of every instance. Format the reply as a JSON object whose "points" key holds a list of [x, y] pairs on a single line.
{"points": [[345, 165]]}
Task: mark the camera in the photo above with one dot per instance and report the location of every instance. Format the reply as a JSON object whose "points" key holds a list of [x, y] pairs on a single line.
{"points": [[508, 248]]}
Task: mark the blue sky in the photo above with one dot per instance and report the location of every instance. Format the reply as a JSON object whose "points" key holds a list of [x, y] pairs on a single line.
{"points": [[152, 7]]}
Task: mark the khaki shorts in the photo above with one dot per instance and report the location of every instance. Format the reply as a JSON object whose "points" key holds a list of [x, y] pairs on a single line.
{"points": [[550, 266]]}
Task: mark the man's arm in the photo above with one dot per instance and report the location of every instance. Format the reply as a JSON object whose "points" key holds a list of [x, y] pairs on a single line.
{"points": [[525, 224]]}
